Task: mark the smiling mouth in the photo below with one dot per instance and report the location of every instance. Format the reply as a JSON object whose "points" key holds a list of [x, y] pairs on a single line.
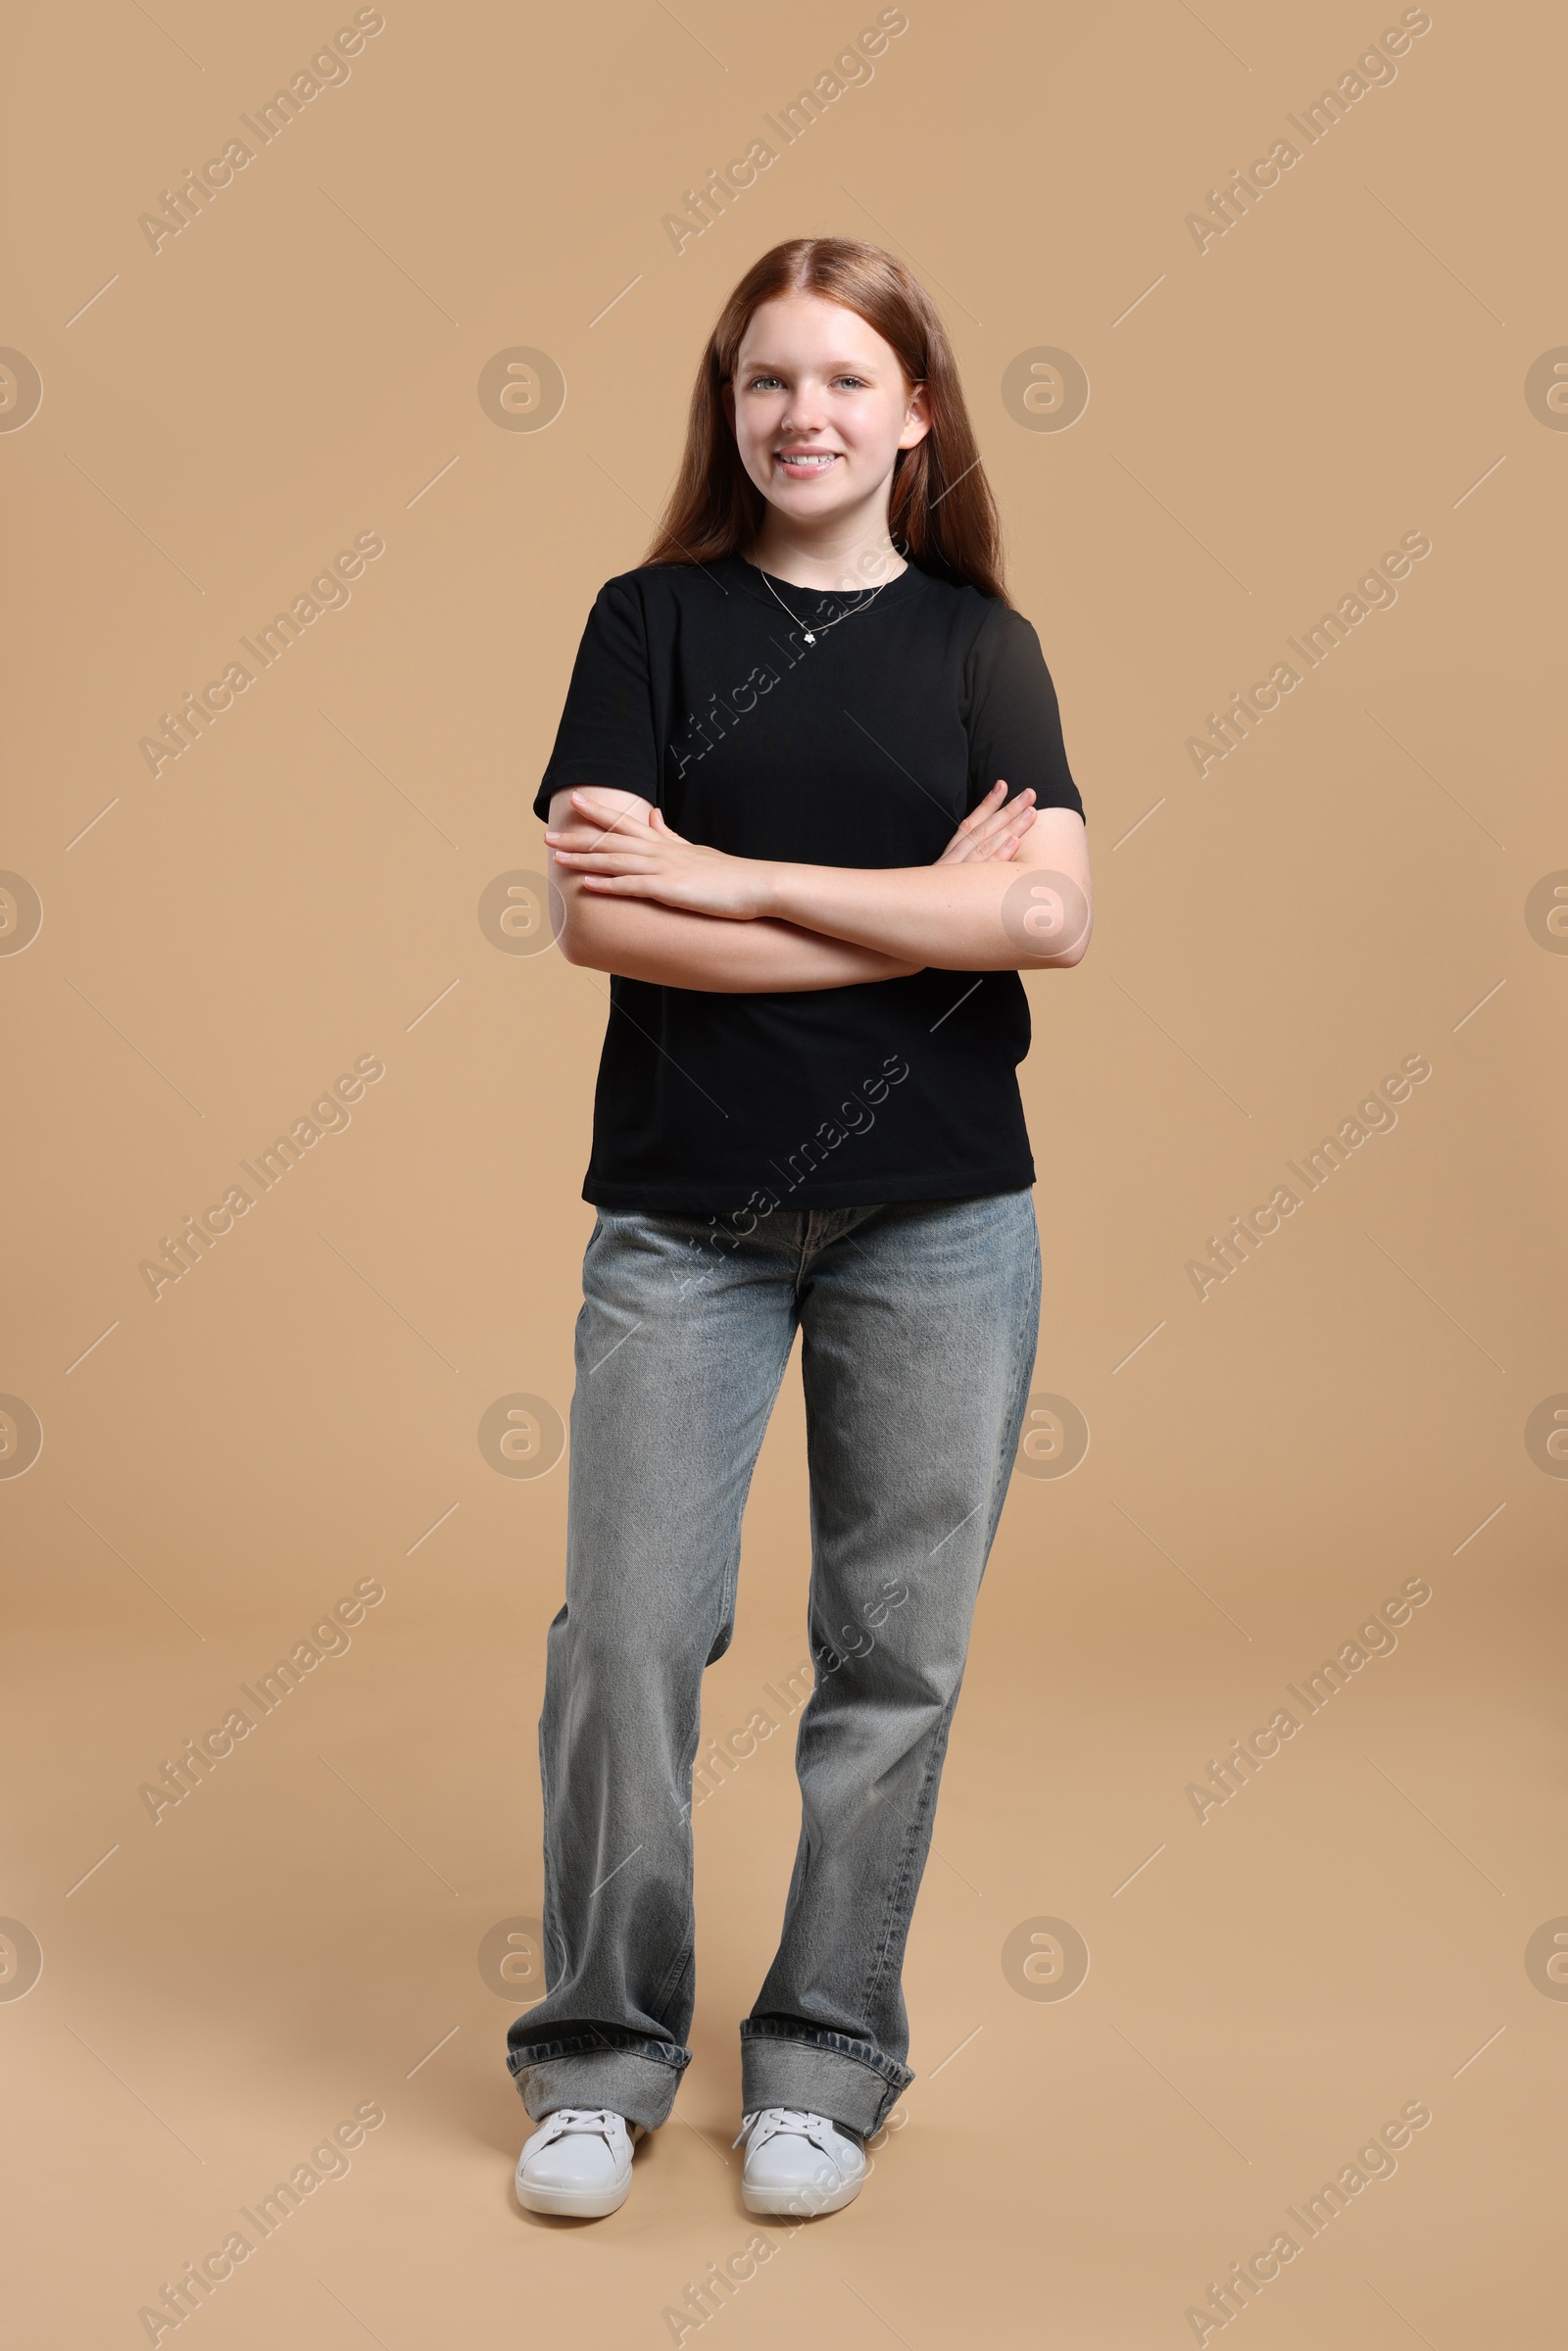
{"points": [[804, 461]]}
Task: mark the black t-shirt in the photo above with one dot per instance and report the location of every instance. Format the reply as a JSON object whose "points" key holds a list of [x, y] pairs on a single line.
{"points": [[865, 748]]}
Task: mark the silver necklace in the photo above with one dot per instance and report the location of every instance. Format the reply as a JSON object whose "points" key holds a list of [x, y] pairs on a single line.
{"points": [[811, 635]]}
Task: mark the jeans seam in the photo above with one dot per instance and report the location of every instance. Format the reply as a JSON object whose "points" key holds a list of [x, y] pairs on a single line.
{"points": [[1022, 1374], [674, 1974], [546, 1905], [805, 1250], [677, 1967], [729, 1595], [899, 1910]]}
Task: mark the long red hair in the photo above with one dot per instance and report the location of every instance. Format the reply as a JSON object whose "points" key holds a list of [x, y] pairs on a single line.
{"points": [[941, 511]]}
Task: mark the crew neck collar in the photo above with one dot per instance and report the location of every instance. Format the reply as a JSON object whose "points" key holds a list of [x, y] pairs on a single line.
{"points": [[793, 587]]}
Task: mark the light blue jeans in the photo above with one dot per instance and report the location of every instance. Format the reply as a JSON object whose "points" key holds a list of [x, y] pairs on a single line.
{"points": [[918, 1324]]}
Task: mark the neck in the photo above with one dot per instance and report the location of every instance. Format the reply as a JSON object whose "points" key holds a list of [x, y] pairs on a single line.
{"points": [[847, 554]]}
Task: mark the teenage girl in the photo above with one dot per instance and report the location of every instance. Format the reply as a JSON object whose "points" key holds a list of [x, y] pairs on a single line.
{"points": [[809, 804]]}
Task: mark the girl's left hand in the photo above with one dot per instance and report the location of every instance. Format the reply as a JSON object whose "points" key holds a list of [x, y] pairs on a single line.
{"points": [[991, 833], [632, 855]]}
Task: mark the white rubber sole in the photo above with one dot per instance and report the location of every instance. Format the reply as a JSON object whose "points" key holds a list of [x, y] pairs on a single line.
{"points": [[803, 2203], [574, 2203]]}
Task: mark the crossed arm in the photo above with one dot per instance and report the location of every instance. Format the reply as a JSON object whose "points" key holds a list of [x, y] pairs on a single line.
{"points": [[642, 902]]}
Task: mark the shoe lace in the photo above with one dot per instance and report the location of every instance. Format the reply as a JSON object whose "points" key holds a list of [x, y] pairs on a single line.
{"points": [[599, 2118], [777, 2122]]}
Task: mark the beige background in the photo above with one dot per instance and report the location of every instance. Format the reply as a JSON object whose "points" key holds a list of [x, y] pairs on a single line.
{"points": [[301, 365]]}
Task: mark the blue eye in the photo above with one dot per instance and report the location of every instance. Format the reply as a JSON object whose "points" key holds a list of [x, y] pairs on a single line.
{"points": [[756, 382]]}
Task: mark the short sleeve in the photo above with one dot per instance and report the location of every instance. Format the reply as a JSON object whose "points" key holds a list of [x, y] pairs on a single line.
{"points": [[607, 733], [1014, 723]]}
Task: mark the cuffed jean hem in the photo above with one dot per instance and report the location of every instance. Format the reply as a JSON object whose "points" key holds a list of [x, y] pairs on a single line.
{"points": [[834, 2076], [642, 2088]]}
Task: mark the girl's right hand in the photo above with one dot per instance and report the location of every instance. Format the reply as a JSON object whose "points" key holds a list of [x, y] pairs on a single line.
{"points": [[991, 833]]}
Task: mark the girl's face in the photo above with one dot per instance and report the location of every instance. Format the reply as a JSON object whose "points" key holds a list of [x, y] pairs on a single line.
{"points": [[820, 410]]}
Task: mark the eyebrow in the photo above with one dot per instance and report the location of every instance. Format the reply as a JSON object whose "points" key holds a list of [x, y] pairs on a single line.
{"points": [[765, 367]]}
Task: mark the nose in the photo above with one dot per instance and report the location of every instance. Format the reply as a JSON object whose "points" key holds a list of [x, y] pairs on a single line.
{"points": [[804, 411]]}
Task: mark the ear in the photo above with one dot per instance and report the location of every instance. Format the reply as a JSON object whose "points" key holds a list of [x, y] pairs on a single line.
{"points": [[918, 420]]}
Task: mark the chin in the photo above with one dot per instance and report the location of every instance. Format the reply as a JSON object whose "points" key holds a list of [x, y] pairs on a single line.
{"points": [[802, 497]]}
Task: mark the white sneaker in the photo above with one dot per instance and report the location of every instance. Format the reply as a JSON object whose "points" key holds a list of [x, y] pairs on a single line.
{"points": [[798, 2162], [578, 2163]]}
